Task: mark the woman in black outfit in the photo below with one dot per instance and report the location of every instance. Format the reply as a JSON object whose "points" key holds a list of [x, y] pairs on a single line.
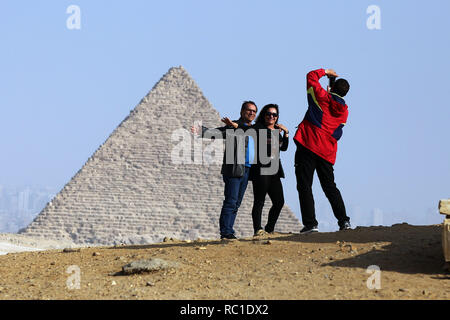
{"points": [[268, 184], [264, 184]]}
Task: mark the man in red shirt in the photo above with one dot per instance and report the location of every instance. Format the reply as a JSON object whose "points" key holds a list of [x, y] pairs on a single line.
{"points": [[316, 139]]}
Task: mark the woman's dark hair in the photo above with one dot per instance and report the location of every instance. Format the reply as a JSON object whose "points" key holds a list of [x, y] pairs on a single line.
{"points": [[261, 117]]}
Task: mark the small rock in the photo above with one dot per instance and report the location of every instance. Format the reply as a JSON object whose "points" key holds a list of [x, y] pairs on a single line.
{"points": [[52, 263], [95, 254], [402, 290], [67, 250], [149, 284], [200, 248], [350, 248], [149, 265], [268, 242], [113, 283]]}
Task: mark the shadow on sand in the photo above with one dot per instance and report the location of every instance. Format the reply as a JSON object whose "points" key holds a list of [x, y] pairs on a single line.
{"points": [[410, 249]]}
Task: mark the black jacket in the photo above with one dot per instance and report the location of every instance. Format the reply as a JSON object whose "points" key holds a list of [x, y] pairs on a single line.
{"points": [[234, 169], [255, 170]]}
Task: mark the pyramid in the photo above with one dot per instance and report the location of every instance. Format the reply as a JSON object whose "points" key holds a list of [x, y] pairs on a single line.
{"points": [[131, 191]]}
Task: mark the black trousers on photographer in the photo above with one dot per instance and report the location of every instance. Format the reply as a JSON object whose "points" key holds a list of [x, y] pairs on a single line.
{"points": [[306, 162]]}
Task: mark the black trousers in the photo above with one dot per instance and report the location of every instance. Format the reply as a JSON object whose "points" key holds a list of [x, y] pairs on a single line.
{"points": [[306, 162], [263, 185]]}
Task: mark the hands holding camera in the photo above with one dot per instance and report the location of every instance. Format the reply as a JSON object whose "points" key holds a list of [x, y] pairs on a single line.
{"points": [[331, 73]]}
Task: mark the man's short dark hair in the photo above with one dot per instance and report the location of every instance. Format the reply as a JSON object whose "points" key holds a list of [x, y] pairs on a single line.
{"points": [[341, 87], [246, 103]]}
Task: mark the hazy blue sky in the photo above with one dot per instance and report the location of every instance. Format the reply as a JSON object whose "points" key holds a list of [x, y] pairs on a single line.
{"points": [[62, 92]]}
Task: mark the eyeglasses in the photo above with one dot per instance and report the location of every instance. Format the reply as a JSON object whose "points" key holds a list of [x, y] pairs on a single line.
{"points": [[271, 114], [250, 110]]}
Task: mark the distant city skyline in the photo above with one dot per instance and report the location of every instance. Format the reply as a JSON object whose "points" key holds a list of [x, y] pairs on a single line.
{"points": [[19, 205]]}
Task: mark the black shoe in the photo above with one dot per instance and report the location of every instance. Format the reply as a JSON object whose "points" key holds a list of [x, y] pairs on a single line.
{"points": [[345, 226], [306, 229], [228, 237], [269, 231]]}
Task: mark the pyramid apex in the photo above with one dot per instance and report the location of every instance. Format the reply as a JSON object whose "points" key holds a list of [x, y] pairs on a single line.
{"points": [[176, 72], [173, 74], [179, 69]]}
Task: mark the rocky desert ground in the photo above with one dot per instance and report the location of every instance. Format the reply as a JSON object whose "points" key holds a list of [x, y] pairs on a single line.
{"points": [[408, 262]]}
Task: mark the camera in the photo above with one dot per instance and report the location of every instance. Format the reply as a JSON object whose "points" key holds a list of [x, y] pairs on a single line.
{"points": [[332, 80]]}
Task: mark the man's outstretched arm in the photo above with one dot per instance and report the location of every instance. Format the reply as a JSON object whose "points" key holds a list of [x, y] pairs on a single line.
{"points": [[201, 130]]}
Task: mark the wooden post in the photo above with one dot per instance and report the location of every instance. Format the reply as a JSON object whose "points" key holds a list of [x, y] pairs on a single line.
{"points": [[444, 208]]}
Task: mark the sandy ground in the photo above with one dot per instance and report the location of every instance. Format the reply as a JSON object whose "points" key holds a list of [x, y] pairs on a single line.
{"points": [[282, 266]]}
